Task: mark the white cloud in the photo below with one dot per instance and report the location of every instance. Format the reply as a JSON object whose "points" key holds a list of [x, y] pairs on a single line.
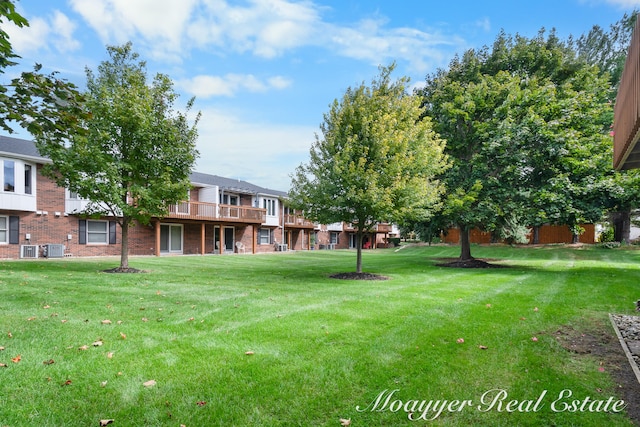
{"points": [[264, 154], [160, 22], [484, 24], [170, 30], [53, 33], [28, 39], [372, 41], [629, 4], [64, 28], [267, 28], [204, 86]]}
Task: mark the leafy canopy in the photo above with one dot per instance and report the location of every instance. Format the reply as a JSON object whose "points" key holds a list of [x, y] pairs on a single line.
{"points": [[526, 128], [38, 102], [136, 155], [375, 161]]}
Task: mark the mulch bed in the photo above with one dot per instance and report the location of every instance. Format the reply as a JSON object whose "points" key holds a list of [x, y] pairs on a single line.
{"points": [[602, 343], [358, 276]]}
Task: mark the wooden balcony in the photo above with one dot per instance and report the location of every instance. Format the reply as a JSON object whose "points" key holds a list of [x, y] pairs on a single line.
{"points": [[384, 228], [298, 221], [626, 123], [379, 228], [201, 211]]}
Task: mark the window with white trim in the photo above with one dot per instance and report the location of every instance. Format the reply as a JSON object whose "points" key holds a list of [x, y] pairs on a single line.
{"points": [[4, 229], [27, 179], [97, 232], [9, 176], [230, 199], [265, 236], [270, 206], [333, 238]]}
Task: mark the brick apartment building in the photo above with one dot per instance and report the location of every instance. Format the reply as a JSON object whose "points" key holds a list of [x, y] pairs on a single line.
{"points": [[222, 216]]}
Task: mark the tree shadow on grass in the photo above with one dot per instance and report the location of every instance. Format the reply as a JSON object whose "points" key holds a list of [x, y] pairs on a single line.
{"points": [[469, 263], [124, 270]]}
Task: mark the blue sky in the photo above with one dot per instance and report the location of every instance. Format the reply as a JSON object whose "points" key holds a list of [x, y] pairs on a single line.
{"points": [[265, 71]]}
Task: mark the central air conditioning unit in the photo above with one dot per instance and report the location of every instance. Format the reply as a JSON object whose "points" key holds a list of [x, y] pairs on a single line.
{"points": [[53, 251], [29, 251]]}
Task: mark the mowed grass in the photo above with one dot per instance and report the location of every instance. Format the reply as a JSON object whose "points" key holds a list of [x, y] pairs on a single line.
{"points": [[320, 349]]}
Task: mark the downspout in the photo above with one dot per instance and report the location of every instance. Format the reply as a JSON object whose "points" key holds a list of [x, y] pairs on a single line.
{"points": [[283, 236]]}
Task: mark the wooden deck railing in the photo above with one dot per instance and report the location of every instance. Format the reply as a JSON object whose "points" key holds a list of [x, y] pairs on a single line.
{"points": [[215, 212], [297, 221]]}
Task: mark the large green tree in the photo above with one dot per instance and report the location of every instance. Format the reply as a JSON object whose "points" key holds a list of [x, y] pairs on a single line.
{"points": [[608, 49], [136, 155], [375, 161], [525, 123]]}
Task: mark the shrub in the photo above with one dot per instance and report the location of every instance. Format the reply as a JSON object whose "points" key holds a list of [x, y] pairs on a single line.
{"points": [[610, 245]]}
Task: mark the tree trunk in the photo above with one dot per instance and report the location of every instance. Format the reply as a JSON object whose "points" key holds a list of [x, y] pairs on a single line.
{"points": [[465, 244], [536, 234], [359, 251], [575, 238], [621, 222], [124, 253]]}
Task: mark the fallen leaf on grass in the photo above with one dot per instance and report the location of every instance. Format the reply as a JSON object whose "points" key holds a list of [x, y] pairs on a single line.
{"points": [[9, 334], [48, 362], [46, 307], [106, 322], [534, 339], [16, 359], [249, 353], [1, 348], [63, 321], [110, 355], [345, 422], [535, 309], [105, 422], [97, 343], [201, 403], [31, 318], [149, 383], [84, 347], [103, 384], [144, 319], [488, 305], [67, 382], [191, 319], [483, 347], [123, 336], [460, 340]]}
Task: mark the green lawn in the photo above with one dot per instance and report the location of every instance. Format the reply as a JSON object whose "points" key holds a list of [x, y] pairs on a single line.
{"points": [[320, 349]]}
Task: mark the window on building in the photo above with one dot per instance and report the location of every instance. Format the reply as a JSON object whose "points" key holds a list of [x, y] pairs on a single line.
{"points": [[9, 176], [97, 232], [230, 199], [171, 238], [333, 238], [27, 179], [4, 229], [270, 206], [265, 236]]}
